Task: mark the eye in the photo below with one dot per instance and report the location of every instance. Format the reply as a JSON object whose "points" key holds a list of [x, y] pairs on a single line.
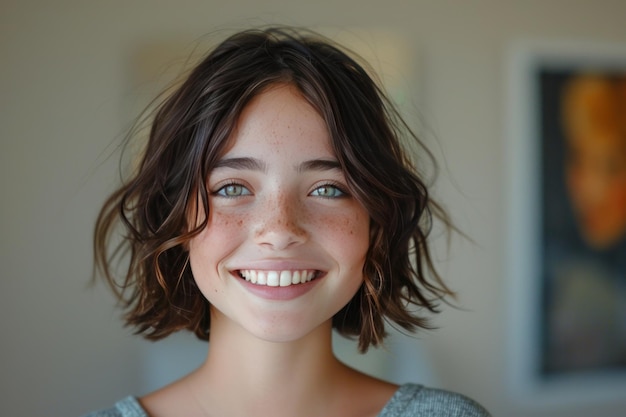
{"points": [[328, 191], [233, 190]]}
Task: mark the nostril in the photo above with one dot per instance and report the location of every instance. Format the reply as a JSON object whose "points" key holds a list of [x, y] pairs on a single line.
{"points": [[280, 234]]}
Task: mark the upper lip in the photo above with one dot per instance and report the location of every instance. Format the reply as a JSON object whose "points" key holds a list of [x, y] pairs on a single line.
{"points": [[278, 265]]}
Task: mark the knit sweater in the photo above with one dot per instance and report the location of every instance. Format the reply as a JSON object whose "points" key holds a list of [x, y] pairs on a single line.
{"points": [[410, 400]]}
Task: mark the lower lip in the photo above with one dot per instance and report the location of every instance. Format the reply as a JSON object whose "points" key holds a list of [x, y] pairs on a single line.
{"points": [[278, 293]]}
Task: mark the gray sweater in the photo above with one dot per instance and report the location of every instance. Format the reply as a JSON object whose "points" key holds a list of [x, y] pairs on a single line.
{"points": [[410, 400]]}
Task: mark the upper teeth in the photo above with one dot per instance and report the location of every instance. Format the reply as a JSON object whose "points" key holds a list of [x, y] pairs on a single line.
{"points": [[277, 278]]}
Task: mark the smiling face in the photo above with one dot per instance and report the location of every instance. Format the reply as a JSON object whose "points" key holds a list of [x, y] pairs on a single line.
{"points": [[285, 243]]}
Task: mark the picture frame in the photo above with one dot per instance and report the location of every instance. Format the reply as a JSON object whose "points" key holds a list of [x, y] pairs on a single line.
{"points": [[567, 322]]}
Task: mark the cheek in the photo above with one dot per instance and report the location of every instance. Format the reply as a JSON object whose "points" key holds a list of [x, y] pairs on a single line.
{"points": [[220, 237], [347, 234], [224, 224]]}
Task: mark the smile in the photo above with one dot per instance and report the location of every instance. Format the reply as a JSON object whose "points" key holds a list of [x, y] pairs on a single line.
{"points": [[278, 278]]}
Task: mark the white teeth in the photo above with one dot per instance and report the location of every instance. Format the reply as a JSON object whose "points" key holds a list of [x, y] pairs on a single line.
{"points": [[272, 279], [285, 278], [277, 278]]}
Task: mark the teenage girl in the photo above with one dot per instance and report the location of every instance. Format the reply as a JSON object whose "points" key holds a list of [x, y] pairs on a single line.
{"points": [[275, 202]]}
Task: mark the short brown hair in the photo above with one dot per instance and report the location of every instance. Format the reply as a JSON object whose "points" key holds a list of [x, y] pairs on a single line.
{"points": [[188, 135]]}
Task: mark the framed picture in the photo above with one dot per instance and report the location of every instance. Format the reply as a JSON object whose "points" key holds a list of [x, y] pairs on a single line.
{"points": [[567, 222]]}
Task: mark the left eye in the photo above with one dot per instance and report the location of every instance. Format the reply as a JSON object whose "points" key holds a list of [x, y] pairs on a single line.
{"points": [[328, 191]]}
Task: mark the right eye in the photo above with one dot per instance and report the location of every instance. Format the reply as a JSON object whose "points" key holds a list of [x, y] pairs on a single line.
{"points": [[233, 190]]}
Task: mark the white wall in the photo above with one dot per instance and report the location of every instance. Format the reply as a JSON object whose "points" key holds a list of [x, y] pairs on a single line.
{"points": [[65, 84]]}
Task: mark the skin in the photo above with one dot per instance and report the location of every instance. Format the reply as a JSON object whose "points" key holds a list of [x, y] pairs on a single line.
{"points": [[272, 209], [596, 158]]}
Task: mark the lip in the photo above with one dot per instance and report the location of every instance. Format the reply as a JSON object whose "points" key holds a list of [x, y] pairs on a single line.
{"points": [[277, 264], [278, 293]]}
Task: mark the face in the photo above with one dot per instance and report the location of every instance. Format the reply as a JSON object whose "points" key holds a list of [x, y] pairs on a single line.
{"points": [[285, 243], [596, 177], [596, 162]]}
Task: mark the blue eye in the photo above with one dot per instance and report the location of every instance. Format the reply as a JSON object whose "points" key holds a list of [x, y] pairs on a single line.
{"points": [[328, 191], [233, 190]]}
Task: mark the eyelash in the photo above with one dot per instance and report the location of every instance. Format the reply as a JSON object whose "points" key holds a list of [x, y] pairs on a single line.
{"points": [[342, 192], [221, 192]]}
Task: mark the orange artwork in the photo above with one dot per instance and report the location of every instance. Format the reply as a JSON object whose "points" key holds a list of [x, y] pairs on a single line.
{"points": [[583, 170]]}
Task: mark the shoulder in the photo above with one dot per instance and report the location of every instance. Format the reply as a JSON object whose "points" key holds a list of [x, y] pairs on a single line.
{"points": [[128, 407], [416, 401]]}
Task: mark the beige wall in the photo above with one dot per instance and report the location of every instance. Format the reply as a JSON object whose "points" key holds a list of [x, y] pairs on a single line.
{"points": [[65, 88]]}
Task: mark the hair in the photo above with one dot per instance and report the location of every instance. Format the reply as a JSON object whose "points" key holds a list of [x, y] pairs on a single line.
{"points": [[190, 131]]}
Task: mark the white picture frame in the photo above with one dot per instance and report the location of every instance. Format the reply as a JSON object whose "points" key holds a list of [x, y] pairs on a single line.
{"points": [[529, 383]]}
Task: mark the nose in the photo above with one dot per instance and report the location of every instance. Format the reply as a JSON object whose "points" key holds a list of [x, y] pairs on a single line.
{"points": [[279, 223]]}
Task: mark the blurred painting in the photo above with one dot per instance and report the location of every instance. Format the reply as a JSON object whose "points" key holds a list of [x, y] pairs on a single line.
{"points": [[582, 123]]}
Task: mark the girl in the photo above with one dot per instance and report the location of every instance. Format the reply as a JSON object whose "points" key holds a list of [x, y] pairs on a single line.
{"points": [[274, 202]]}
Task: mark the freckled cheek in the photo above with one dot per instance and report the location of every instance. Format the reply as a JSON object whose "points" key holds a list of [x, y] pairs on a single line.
{"points": [[212, 246], [223, 232], [348, 233], [223, 225]]}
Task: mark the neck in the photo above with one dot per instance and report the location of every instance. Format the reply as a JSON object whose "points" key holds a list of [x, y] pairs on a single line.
{"points": [[260, 377], [247, 375]]}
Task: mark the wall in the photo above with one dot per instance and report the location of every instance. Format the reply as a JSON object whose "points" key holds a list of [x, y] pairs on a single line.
{"points": [[65, 91]]}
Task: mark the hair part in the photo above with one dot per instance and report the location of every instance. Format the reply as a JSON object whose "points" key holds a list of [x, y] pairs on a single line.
{"points": [[190, 132]]}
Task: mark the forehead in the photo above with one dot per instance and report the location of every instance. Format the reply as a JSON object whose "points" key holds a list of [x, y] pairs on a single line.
{"points": [[280, 118]]}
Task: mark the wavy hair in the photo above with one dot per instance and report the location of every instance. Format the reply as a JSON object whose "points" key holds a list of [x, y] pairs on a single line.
{"points": [[189, 133]]}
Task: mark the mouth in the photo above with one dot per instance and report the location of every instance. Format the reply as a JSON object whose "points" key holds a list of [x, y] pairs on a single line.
{"points": [[283, 278]]}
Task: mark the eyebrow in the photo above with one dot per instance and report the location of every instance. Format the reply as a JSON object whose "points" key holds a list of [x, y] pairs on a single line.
{"points": [[254, 164], [251, 164], [319, 165]]}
